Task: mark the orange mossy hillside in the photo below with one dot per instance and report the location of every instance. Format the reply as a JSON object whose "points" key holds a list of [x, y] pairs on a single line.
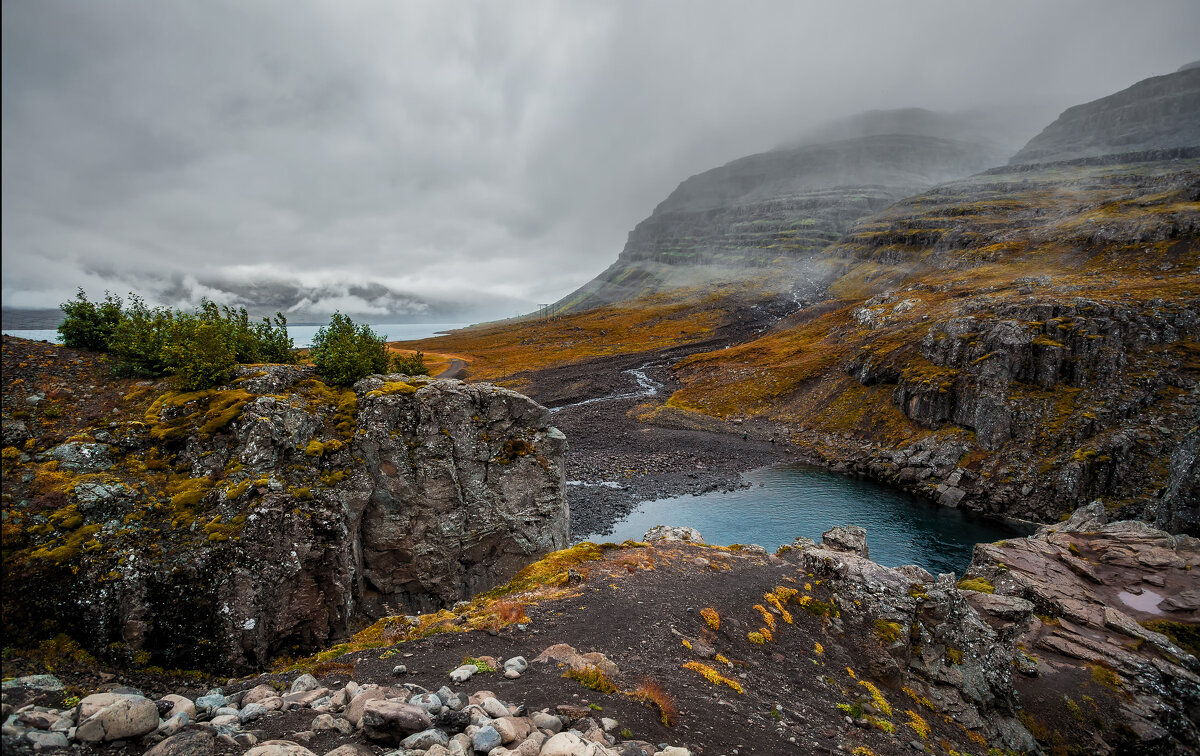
{"points": [[681, 316]]}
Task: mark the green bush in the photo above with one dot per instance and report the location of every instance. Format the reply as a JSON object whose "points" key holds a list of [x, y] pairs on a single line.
{"points": [[410, 364], [90, 325], [140, 341], [344, 352], [198, 349], [274, 344]]}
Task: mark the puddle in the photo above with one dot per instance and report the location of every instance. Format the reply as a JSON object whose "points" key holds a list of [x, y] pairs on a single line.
{"points": [[1146, 601]]}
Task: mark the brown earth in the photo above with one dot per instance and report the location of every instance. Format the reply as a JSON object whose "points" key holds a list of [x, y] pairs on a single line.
{"points": [[638, 606]]}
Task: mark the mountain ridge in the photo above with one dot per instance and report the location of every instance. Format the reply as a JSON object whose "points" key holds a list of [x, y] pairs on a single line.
{"points": [[1158, 112]]}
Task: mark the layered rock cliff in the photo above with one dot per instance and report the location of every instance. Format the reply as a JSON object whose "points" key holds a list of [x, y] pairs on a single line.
{"points": [[774, 208], [221, 528], [1156, 113]]}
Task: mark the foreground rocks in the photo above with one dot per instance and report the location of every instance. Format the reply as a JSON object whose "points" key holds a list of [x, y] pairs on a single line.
{"points": [[1095, 594], [406, 718]]}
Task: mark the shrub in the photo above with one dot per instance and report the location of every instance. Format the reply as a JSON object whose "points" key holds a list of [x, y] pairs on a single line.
{"points": [[591, 677], [344, 352], [140, 340], [199, 348], [712, 675], [918, 724], [197, 351], [881, 704], [274, 343], [90, 325], [410, 364], [652, 694], [480, 664]]}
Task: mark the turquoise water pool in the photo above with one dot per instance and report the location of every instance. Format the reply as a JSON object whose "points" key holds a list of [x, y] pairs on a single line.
{"points": [[787, 501]]}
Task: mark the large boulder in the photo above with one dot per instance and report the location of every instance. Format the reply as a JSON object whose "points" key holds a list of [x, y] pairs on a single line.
{"points": [[389, 721], [186, 743], [851, 539], [126, 717]]}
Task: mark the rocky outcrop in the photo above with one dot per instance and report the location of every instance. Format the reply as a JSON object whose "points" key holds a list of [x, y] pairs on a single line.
{"points": [[1066, 386], [931, 641], [269, 515], [1039, 627], [1044, 344], [1098, 594], [1156, 113]]}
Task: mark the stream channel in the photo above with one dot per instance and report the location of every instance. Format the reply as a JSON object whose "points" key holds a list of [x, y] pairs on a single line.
{"points": [[786, 501]]}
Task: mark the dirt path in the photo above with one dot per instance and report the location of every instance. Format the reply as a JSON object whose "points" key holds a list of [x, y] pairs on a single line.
{"points": [[455, 370]]}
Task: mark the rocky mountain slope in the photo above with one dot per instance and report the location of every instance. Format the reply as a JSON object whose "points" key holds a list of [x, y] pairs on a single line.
{"points": [[1020, 342], [1072, 640], [1156, 113], [776, 208], [222, 528]]}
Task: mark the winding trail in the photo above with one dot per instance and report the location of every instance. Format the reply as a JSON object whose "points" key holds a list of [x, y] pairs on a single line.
{"points": [[455, 370]]}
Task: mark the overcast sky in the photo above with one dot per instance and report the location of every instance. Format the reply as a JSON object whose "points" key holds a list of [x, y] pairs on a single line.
{"points": [[491, 149]]}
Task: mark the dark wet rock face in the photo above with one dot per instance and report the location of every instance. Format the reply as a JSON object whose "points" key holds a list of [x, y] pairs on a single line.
{"points": [[1156, 113], [312, 507], [1043, 344]]}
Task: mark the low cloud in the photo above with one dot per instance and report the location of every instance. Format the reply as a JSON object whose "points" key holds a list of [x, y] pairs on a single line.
{"points": [[493, 155]]}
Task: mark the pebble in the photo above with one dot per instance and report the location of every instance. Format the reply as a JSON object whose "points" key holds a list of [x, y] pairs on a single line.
{"points": [[210, 701], [544, 721], [128, 717], [430, 702], [174, 724], [251, 712], [494, 708], [45, 741], [322, 723], [517, 663]]}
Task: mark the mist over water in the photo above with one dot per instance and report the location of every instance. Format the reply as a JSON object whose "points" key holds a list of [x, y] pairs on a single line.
{"points": [[788, 501]]}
